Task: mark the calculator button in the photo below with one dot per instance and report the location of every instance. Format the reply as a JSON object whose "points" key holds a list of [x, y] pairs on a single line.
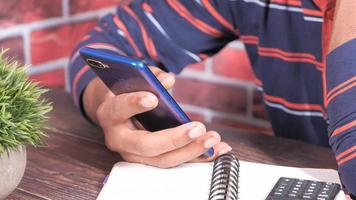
{"points": [[298, 189]]}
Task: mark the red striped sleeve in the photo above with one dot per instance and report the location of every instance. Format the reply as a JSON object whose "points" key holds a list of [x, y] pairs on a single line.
{"points": [[77, 77], [341, 88], [217, 16], [197, 23], [85, 37], [346, 159], [292, 105], [290, 56], [146, 39], [341, 85], [203, 56], [344, 128], [281, 54], [146, 7], [288, 2], [346, 152], [98, 29], [249, 39], [123, 28], [316, 13]]}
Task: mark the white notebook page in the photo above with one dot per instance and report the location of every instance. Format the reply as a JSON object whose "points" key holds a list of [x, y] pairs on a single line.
{"points": [[128, 181]]}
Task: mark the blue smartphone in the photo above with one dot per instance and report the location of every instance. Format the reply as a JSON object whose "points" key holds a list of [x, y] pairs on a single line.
{"points": [[124, 75]]}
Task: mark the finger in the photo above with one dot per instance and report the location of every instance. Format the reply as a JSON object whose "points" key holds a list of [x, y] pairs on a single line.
{"points": [[222, 148], [219, 149], [124, 106], [182, 155], [155, 70], [148, 144], [166, 79]]}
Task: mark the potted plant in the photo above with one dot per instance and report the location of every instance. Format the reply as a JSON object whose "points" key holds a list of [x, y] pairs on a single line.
{"points": [[22, 116]]}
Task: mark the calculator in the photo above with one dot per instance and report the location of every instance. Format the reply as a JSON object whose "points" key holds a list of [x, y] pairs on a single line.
{"points": [[299, 189]]}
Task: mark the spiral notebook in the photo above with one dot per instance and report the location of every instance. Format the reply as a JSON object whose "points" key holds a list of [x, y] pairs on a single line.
{"points": [[226, 178]]}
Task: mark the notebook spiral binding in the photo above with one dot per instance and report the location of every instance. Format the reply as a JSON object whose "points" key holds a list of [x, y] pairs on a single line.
{"points": [[225, 178]]}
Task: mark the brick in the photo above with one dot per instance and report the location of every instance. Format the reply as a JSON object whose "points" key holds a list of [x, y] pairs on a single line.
{"points": [[259, 109], [242, 126], [210, 95], [199, 66], [233, 63], [15, 46], [195, 117], [77, 6], [25, 11], [53, 78], [57, 42]]}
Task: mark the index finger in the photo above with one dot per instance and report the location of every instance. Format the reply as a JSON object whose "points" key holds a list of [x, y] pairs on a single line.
{"points": [[148, 144], [166, 79]]}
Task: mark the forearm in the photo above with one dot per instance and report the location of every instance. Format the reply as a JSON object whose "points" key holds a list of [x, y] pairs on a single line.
{"points": [[344, 23]]}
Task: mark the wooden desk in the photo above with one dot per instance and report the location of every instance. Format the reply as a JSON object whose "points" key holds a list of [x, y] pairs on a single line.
{"points": [[75, 161]]}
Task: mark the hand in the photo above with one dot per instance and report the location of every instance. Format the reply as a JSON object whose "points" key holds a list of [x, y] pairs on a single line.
{"points": [[165, 148]]}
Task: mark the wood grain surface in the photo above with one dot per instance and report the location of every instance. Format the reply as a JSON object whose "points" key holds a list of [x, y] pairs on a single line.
{"points": [[75, 161]]}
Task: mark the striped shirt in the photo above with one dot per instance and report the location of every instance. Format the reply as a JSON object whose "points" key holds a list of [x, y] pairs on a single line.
{"points": [[309, 96]]}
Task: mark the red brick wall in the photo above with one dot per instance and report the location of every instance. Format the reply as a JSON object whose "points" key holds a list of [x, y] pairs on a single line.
{"points": [[42, 33]]}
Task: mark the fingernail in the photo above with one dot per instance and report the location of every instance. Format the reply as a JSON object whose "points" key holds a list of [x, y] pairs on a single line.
{"points": [[216, 135], [195, 132], [147, 101], [225, 150], [168, 80], [210, 142]]}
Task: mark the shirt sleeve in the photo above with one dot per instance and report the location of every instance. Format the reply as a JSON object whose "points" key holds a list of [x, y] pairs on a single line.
{"points": [[341, 108], [169, 34]]}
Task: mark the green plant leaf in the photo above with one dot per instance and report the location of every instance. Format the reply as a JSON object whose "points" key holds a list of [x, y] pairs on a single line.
{"points": [[22, 110]]}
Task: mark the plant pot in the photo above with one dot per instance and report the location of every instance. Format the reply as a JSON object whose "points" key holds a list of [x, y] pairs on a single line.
{"points": [[12, 168]]}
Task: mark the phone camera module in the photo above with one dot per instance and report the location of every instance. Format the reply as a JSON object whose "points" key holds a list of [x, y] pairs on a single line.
{"points": [[97, 64]]}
